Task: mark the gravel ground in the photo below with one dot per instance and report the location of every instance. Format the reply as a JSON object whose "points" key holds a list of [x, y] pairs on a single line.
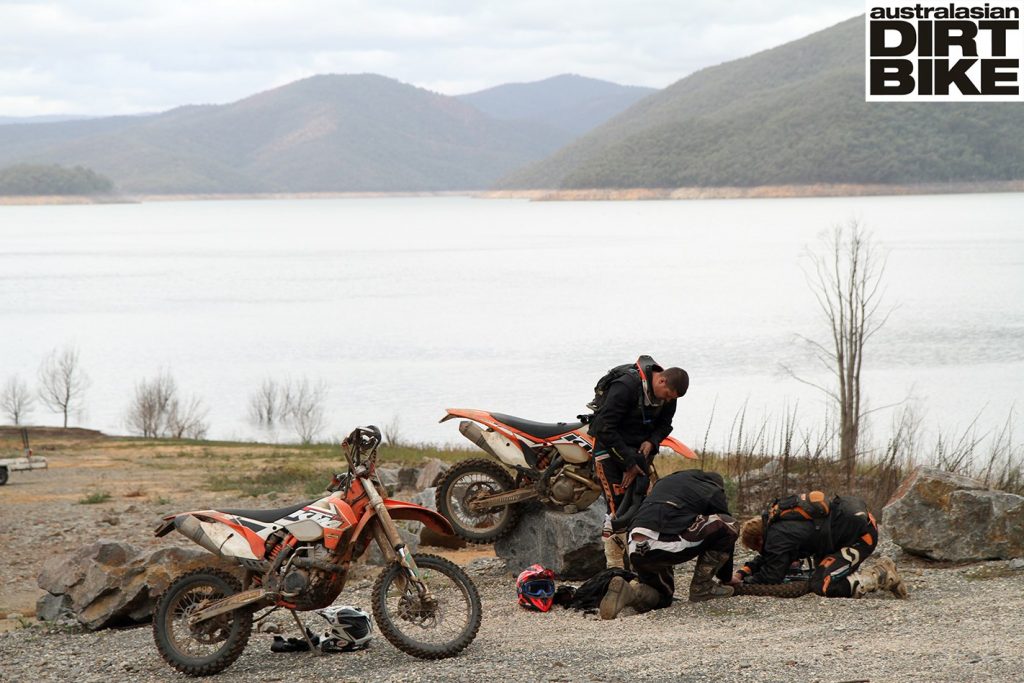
{"points": [[960, 624]]}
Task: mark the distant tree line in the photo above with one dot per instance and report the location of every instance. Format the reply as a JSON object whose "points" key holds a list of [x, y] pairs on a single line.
{"points": [[158, 411], [38, 179]]}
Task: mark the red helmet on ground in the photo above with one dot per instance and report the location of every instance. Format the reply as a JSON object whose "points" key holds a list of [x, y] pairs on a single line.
{"points": [[536, 588]]}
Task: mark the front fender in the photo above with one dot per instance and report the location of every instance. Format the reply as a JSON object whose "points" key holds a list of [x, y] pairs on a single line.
{"points": [[401, 510]]}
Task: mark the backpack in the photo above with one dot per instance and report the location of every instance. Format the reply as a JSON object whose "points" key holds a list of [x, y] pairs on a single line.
{"points": [[812, 506], [601, 388]]}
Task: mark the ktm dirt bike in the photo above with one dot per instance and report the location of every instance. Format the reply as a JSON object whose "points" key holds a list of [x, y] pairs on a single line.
{"points": [[529, 461], [297, 558]]}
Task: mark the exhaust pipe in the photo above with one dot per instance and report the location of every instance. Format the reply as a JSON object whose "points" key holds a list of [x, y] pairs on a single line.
{"points": [[472, 431], [189, 526]]}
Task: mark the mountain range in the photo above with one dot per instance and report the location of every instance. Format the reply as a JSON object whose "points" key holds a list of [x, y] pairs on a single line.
{"points": [[792, 115], [321, 134]]}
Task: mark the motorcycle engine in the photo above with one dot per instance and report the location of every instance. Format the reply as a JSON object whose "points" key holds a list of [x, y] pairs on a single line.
{"points": [[566, 491]]}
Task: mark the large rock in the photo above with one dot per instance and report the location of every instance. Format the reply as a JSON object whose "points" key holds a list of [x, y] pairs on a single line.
{"points": [[569, 544], [112, 584], [945, 516], [430, 473]]}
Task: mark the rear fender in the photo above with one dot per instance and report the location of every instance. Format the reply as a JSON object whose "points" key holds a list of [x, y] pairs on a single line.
{"points": [[679, 447], [483, 417]]}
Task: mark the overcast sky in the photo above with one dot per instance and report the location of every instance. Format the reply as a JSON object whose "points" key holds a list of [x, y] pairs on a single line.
{"points": [[127, 56]]}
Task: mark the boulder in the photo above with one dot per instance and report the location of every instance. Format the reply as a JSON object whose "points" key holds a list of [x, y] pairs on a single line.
{"points": [[407, 477], [110, 583], [568, 544], [389, 478], [430, 472], [950, 517]]}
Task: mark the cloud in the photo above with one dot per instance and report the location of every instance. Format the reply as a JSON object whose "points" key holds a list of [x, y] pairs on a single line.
{"points": [[110, 56]]}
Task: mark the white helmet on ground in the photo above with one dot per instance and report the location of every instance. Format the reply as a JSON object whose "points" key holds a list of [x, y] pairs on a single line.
{"points": [[350, 628]]}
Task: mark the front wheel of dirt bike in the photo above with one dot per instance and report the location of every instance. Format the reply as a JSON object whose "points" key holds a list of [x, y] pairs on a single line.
{"points": [[439, 627], [792, 589], [210, 646], [471, 479]]}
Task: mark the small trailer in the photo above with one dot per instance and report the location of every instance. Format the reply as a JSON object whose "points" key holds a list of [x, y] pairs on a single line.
{"points": [[26, 462]]}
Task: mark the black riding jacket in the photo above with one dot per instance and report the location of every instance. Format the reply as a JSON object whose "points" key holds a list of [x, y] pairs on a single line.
{"points": [[628, 417], [676, 500], [790, 540]]}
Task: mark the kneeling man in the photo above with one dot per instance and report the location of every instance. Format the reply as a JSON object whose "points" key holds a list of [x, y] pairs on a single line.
{"points": [[839, 539], [685, 516]]}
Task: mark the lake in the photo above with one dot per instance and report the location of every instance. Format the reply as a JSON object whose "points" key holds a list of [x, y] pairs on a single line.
{"points": [[405, 306]]}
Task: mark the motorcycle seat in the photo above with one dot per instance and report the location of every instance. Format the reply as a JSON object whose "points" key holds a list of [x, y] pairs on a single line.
{"points": [[267, 515], [542, 430]]}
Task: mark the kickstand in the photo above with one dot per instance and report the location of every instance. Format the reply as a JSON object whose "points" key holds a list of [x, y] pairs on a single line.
{"points": [[313, 649]]}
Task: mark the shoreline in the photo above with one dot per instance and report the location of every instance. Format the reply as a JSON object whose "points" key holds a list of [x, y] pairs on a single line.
{"points": [[592, 194]]}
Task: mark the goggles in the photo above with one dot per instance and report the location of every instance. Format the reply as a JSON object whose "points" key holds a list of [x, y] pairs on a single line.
{"points": [[538, 588]]}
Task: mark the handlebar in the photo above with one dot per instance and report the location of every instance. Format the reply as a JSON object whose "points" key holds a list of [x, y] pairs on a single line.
{"points": [[360, 449]]}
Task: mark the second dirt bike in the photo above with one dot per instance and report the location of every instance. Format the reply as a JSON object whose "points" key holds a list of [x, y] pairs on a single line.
{"points": [[529, 461]]}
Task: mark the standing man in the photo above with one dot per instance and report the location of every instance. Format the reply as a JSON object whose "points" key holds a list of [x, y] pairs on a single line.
{"points": [[685, 516], [635, 406]]}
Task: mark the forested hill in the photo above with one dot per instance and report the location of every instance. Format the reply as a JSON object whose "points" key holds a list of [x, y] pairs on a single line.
{"points": [[570, 103], [794, 114], [325, 133]]}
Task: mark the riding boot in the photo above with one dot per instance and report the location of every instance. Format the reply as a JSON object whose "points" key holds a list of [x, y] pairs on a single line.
{"points": [[882, 575], [614, 550], [622, 594], [703, 585]]}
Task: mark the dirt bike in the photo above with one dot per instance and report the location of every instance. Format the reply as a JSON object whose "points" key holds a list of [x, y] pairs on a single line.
{"points": [[551, 463], [297, 558]]}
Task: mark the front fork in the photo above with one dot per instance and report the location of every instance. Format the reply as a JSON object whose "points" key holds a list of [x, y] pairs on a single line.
{"points": [[390, 541]]}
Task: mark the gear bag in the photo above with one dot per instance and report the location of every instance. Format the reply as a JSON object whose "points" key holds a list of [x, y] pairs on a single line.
{"points": [[588, 596], [642, 368]]}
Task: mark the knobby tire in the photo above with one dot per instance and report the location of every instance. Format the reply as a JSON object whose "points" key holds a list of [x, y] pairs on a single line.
{"points": [[238, 637], [500, 476], [386, 619]]}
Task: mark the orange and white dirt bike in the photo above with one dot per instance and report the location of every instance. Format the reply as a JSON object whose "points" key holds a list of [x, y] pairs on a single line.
{"points": [[297, 558], [529, 461]]}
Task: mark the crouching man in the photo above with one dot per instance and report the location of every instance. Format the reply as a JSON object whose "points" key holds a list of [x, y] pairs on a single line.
{"points": [[685, 516], [839, 536]]}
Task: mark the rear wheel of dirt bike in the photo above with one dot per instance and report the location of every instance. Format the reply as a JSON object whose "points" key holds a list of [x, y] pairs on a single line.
{"points": [[793, 589], [3, 476], [208, 647], [471, 479], [437, 629]]}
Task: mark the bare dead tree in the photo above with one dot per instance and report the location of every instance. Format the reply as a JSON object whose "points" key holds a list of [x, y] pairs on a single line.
{"points": [[16, 400], [157, 411], [187, 419], [846, 279], [150, 407], [303, 403], [266, 404], [62, 382], [393, 432]]}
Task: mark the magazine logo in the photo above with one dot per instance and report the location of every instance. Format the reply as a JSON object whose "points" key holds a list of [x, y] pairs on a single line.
{"points": [[943, 52]]}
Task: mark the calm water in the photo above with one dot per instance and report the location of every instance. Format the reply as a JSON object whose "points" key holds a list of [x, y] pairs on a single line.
{"points": [[406, 306]]}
